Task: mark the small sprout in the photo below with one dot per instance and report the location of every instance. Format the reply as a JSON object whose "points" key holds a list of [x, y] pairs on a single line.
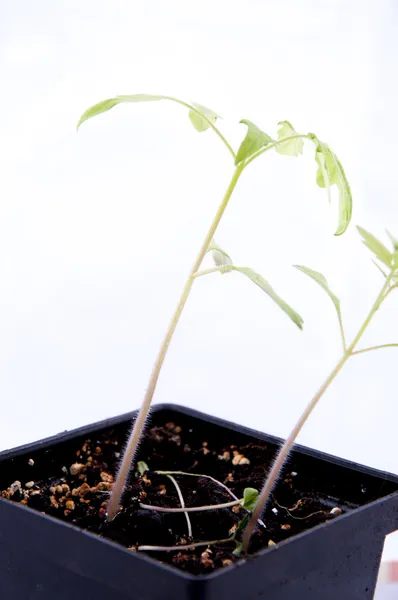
{"points": [[29, 484], [70, 505], [250, 496], [271, 543], [275, 511], [293, 474], [31, 462], [142, 467]]}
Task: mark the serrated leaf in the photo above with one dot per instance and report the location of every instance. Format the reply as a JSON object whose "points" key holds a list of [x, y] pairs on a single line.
{"points": [[393, 239], [375, 246], [321, 280], [142, 467], [250, 496], [220, 257], [254, 140], [330, 172], [292, 147], [268, 289], [203, 114], [198, 120]]}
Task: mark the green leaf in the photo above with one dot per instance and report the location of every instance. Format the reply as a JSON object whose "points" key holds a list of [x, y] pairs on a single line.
{"points": [[250, 496], [266, 287], [380, 269], [197, 118], [330, 172], [292, 147], [142, 467], [106, 105], [393, 239], [238, 549], [375, 246], [321, 280], [220, 257], [242, 525], [253, 141], [200, 121]]}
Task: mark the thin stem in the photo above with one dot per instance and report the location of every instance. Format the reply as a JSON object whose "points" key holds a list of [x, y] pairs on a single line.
{"points": [[182, 546], [208, 121], [200, 475], [298, 136], [374, 348], [181, 498], [390, 289], [343, 339], [207, 271], [287, 446], [222, 485], [187, 509], [139, 424]]}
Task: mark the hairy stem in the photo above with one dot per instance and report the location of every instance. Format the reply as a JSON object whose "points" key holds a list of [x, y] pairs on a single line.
{"points": [[166, 509], [288, 444], [139, 424], [181, 499]]}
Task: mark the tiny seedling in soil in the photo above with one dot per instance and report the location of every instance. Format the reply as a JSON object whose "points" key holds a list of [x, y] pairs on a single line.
{"points": [[255, 143]]}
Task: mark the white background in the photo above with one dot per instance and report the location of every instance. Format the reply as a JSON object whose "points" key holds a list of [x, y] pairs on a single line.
{"points": [[98, 229]]}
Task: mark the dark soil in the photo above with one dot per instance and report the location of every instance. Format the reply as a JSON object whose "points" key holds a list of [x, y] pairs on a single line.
{"points": [[82, 475]]}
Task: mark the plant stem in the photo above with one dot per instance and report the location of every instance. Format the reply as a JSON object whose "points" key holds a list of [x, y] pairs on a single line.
{"points": [[187, 509], [374, 348], [207, 272], [342, 331], [181, 498], [183, 546], [139, 424], [287, 446], [298, 136], [222, 485], [209, 121]]}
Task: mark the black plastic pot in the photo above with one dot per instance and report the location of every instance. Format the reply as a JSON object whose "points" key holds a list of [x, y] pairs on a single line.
{"points": [[43, 558]]}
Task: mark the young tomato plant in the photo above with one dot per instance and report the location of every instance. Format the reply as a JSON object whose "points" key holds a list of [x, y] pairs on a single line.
{"points": [[255, 143], [388, 265]]}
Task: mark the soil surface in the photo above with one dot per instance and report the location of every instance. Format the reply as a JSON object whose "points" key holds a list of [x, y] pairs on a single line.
{"points": [[83, 475]]}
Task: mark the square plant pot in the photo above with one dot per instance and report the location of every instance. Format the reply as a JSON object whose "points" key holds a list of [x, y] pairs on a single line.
{"points": [[42, 557]]}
